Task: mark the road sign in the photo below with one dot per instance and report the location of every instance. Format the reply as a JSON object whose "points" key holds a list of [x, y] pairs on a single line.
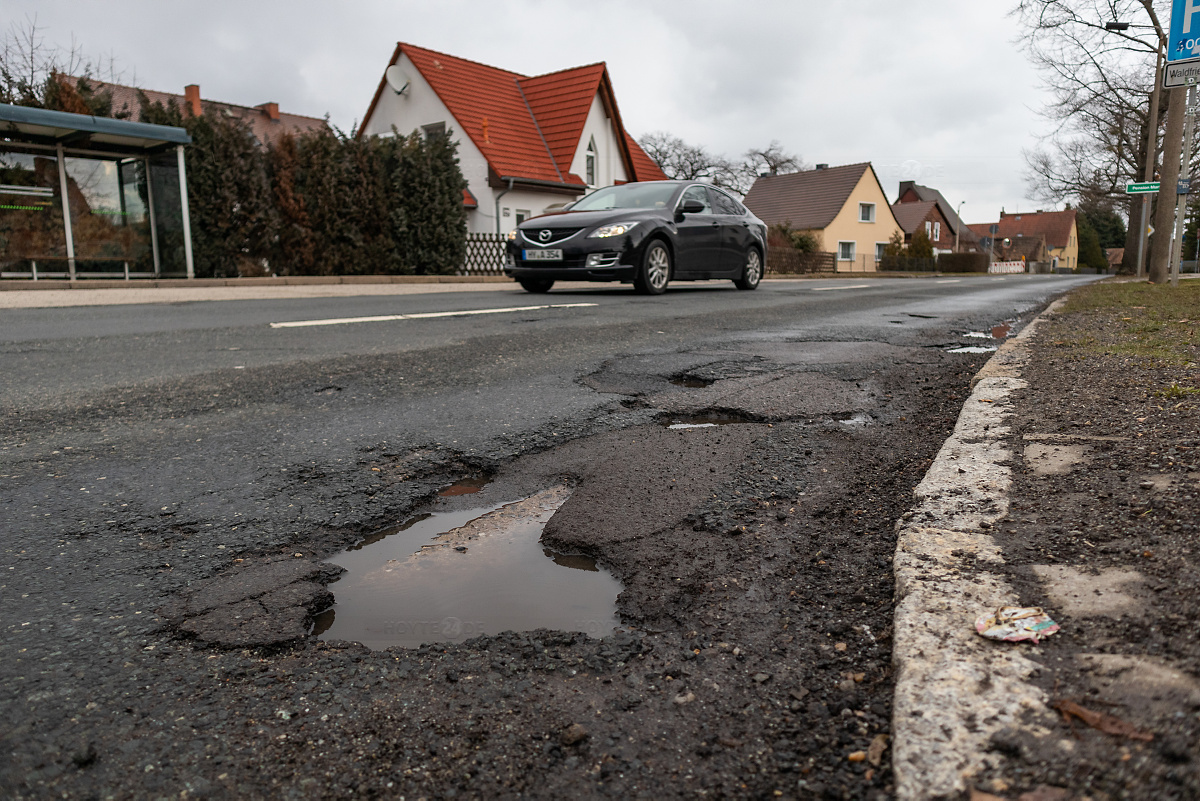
{"points": [[1183, 186], [1183, 43], [1143, 188]]}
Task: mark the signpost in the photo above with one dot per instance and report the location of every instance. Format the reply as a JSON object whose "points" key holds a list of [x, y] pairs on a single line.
{"points": [[1143, 188], [1183, 41]]}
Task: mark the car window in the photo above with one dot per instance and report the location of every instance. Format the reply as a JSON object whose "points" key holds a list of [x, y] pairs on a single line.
{"points": [[697, 193], [650, 195], [725, 204]]}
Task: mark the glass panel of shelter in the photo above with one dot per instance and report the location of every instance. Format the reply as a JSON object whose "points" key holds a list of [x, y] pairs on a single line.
{"points": [[32, 235], [110, 223]]}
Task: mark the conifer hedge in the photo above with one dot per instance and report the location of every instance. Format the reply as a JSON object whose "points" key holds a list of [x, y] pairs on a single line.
{"points": [[321, 203]]}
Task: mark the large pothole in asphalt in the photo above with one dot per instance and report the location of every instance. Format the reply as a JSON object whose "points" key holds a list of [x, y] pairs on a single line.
{"points": [[449, 576]]}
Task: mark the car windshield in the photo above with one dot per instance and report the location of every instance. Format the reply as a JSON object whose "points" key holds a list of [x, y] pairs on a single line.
{"points": [[655, 195]]}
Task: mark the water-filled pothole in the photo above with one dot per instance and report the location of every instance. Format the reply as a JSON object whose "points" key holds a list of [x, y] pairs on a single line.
{"points": [[692, 382], [706, 420], [465, 486], [974, 349], [853, 419], [449, 576]]}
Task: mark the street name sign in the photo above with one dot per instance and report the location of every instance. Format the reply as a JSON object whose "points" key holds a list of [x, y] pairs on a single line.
{"points": [[1143, 188]]}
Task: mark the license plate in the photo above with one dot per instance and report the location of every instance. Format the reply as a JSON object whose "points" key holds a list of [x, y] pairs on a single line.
{"points": [[554, 254]]}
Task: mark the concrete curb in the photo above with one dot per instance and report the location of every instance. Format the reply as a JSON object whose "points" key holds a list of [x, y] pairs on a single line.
{"points": [[954, 689]]}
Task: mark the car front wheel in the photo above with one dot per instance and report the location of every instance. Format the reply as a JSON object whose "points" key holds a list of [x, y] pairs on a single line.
{"points": [[656, 270], [752, 271], [536, 285]]}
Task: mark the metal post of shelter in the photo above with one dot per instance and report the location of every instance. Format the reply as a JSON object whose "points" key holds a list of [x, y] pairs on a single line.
{"points": [[153, 219], [66, 211], [187, 217]]}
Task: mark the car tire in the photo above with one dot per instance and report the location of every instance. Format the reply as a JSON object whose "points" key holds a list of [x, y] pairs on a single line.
{"points": [[538, 286], [655, 272], [752, 271]]}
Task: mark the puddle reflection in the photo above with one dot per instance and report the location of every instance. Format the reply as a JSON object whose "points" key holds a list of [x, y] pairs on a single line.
{"points": [[449, 576]]}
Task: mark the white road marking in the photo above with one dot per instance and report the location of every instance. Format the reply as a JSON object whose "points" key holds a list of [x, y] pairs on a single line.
{"points": [[383, 318], [951, 281], [828, 288]]}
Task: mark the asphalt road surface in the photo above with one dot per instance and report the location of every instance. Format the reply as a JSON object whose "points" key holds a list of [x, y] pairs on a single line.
{"points": [[175, 476]]}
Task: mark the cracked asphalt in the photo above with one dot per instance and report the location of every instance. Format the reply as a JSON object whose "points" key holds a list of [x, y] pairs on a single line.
{"points": [[175, 477]]}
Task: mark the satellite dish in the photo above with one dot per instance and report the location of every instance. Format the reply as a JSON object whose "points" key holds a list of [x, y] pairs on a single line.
{"points": [[397, 79]]}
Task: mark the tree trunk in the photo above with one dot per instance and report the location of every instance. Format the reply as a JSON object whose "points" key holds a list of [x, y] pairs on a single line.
{"points": [[1164, 213], [1133, 235]]}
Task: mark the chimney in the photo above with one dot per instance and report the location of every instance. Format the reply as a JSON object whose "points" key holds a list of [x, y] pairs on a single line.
{"points": [[822, 166], [191, 98], [272, 110]]}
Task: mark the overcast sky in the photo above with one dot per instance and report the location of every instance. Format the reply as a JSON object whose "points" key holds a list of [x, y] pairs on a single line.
{"points": [[933, 90]]}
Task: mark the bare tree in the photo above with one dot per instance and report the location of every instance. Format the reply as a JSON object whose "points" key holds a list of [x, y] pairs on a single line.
{"points": [[1101, 82], [682, 161], [36, 73]]}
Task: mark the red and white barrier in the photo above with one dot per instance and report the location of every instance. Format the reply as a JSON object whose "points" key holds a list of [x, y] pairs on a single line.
{"points": [[1006, 267]]}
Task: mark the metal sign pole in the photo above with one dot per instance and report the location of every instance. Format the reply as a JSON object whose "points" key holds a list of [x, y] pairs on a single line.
{"points": [[1184, 181]]}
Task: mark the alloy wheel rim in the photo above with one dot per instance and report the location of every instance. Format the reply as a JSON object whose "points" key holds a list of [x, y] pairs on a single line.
{"points": [[753, 267], [658, 266]]}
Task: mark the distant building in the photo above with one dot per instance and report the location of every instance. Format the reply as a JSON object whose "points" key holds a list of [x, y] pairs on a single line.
{"points": [[941, 218], [1058, 229], [266, 120], [844, 208], [526, 144]]}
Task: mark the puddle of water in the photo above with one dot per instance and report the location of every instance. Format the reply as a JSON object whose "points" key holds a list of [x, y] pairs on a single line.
{"points": [[977, 335], [691, 382], [974, 349], [854, 420], [449, 576], [700, 421], [466, 486]]}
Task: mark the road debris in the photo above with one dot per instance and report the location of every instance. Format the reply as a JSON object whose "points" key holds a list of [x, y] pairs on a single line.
{"points": [[1101, 721], [1016, 623]]}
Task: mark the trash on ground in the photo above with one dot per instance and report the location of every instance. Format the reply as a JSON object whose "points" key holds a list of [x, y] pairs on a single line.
{"points": [[1101, 721], [1016, 623], [876, 749]]}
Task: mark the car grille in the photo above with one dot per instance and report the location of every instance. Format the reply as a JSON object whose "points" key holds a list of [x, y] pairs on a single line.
{"points": [[568, 261], [533, 235]]}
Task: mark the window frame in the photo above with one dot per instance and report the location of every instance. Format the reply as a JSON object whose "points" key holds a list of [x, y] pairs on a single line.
{"points": [[853, 247], [868, 207], [591, 162], [880, 247]]}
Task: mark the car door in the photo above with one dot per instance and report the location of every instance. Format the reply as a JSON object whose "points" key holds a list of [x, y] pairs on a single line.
{"points": [[736, 234], [697, 237]]}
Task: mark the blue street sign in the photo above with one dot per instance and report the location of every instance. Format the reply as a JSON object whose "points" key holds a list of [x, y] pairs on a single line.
{"points": [[1183, 43]]}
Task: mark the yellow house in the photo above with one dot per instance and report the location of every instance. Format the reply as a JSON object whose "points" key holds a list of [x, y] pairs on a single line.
{"points": [[844, 208], [1059, 228]]}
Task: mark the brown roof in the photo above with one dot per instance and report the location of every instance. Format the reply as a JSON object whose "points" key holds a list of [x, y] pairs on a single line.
{"points": [[909, 216], [533, 124], [266, 129], [1055, 226], [1114, 256], [927, 193], [805, 200]]}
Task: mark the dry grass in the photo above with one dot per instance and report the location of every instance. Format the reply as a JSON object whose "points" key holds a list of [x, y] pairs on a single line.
{"points": [[1157, 322]]}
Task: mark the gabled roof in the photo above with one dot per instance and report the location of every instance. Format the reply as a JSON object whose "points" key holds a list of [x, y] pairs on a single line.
{"points": [[533, 124], [927, 194], [806, 200], [909, 216], [1055, 226]]}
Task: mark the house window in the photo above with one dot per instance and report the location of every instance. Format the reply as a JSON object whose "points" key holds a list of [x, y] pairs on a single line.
{"points": [[523, 215], [866, 212], [937, 231], [845, 251], [434, 130], [879, 247], [929, 229], [591, 162]]}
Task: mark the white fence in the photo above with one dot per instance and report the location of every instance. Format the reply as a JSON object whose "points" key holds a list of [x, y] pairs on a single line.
{"points": [[1006, 267]]}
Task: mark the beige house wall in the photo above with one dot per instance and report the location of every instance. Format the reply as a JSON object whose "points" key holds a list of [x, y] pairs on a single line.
{"points": [[1068, 256], [847, 228]]}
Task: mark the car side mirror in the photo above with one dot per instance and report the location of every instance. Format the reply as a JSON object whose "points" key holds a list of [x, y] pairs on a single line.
{"points": [[691, 207]]}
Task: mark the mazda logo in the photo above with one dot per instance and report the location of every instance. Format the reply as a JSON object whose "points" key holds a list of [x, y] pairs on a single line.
{"points": [[544, 235]]}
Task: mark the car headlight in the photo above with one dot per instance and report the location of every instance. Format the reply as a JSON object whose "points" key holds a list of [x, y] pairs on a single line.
{"points": [[512, 235], [612, 229]]}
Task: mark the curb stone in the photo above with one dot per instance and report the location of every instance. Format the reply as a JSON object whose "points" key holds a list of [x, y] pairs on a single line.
{"points": [[954, 689]]}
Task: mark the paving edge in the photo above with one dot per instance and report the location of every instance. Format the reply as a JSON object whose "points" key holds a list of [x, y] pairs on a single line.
{"points": [[954, 689]]}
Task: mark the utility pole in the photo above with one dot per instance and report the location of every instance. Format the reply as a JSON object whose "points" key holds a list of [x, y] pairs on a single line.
{"points": [[1151, 156], [1164, 215]]}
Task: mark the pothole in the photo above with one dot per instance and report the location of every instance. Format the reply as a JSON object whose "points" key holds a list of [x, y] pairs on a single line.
{"points": [[705, 420], [692, 382], [853, 420], [974, 349], [465, 486], [449, 576]]}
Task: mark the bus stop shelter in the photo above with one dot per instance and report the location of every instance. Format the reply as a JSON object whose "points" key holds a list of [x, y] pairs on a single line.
{"points": [[91, 197]]}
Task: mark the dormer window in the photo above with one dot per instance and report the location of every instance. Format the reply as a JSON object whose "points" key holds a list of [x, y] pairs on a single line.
{"points": [[590, 166]]}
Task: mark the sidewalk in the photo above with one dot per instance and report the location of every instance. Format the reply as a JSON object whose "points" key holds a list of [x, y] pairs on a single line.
{"points": [[1071, 483]]}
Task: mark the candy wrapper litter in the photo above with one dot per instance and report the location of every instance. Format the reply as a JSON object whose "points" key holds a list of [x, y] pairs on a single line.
{"points": [[1016, 623]]}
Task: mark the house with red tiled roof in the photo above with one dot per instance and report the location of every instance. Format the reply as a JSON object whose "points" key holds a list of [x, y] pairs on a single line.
{"points": [[928, 215], [844, 208], [951, 228], [1057, 228], [526, 144], [266, 120]]}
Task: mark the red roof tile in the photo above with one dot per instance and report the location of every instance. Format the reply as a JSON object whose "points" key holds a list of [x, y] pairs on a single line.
{"points": [[909, 216], [533, 124], [1055, 226], [644, 167]]}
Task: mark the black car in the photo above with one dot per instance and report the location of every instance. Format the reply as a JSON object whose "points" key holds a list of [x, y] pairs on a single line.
{"points": [[646, 233]]}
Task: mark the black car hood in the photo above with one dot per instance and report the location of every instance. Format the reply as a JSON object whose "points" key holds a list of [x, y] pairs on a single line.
{"points": [[591, 219]]}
